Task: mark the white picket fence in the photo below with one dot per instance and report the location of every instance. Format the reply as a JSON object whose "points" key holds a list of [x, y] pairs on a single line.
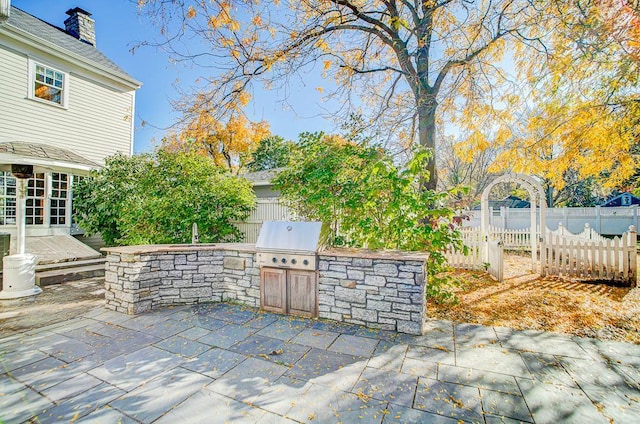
{"points": [[586, 255], [473, 260], [511, 238], [597, 259]]}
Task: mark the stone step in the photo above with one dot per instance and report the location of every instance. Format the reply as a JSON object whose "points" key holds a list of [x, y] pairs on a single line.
{"points": [[70, 264], [62, 275]]}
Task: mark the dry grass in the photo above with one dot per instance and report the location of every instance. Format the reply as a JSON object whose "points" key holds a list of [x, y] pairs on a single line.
{"points": [[526, 301]]}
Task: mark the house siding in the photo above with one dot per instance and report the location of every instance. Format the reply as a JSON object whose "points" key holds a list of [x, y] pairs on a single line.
{"points": [[95, 124]]}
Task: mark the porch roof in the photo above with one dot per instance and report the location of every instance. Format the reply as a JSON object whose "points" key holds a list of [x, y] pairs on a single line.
{"points": [[43, 156]]}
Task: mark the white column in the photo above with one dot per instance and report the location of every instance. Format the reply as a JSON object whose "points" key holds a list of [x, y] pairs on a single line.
{"points": [[533, 230], [19, 270], [21, 209]]}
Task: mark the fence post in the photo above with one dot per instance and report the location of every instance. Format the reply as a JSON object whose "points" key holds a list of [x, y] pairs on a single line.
{"points": [[588, 231], [633, 241], [598, 220], [503, 216]]}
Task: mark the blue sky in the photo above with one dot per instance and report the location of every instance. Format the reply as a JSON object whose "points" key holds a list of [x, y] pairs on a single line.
{"points": [[118, 28]]}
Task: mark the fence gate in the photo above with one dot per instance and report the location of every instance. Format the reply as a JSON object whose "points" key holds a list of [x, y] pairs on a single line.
{"points": [[477, 251], [495, 253]]}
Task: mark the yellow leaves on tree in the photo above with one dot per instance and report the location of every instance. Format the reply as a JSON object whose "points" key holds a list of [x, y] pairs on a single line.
{"points": [[400, 60], [223, 18], [587, 138], [229, 143], [583, 101]]}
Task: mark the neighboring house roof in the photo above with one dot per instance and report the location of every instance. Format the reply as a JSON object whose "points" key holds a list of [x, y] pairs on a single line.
{"points": [[44, 156], [624, 199], [513, 202], [262, 178], [52, 36]]}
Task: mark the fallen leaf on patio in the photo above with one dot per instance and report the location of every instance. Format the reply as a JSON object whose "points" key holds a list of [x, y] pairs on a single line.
{"points": [[458, 402], [363, 397]]}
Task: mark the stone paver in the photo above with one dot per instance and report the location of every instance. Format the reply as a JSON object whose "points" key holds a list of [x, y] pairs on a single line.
{"points": [[225, 363], [449, 399], [391, 386], [354, 345], [153, 399]]}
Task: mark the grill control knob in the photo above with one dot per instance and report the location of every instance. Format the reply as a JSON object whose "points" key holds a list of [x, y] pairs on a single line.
{"points": [[305, 262], [274, 260], [293, 261], [284, 260]]}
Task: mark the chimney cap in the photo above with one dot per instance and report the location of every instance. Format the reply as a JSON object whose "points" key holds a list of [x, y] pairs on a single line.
{"points": [[75, 10]]}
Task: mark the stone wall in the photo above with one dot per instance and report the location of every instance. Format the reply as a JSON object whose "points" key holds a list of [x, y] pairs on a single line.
{"points": [[142, 279], [375, 289]]}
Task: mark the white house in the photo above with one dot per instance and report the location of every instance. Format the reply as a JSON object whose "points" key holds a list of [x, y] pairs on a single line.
{"points": [[64, 107]]}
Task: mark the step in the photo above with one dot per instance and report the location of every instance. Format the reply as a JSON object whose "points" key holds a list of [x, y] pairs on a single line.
{"points": [[57, 276], [70, 264]]}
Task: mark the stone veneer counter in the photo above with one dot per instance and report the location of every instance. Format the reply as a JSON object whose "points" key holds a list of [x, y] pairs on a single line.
{"points": [[377, 289]]}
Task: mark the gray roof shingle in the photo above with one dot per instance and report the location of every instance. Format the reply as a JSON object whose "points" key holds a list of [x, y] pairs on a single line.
{"points": [[43, 151], [44, 30]]}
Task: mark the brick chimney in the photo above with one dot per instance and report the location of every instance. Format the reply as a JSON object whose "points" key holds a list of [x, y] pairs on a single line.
{"points": [[80, 25]]}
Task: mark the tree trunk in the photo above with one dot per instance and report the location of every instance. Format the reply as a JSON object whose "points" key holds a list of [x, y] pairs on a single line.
{"points": [[549, 193], [427, 138]]}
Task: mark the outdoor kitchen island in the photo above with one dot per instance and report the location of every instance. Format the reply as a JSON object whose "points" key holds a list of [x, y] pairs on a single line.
{"points": [[376, 289]]}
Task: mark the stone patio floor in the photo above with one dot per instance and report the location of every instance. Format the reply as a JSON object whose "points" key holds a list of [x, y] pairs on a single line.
{"points": [[218, 363]]}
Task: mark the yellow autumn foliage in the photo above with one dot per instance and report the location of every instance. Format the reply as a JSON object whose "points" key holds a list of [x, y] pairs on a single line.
{"points": [[228, 143]]}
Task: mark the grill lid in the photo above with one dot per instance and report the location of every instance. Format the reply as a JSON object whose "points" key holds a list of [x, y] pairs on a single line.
{"points": [[289, 235]]}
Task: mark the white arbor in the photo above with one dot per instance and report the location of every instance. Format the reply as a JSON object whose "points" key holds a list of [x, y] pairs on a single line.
{"points": [[536, 196]]}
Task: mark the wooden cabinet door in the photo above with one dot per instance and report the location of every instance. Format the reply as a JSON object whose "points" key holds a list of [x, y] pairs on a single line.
{"points": [[302, 293], [273, 290]]}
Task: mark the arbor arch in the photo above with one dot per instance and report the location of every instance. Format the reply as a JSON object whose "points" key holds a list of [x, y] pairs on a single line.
{"points": [[536, 194]]}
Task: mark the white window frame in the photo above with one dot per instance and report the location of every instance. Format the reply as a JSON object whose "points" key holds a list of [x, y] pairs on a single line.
{"points": [[32, 79], [6, 199], [65, 199], [37, 201]]}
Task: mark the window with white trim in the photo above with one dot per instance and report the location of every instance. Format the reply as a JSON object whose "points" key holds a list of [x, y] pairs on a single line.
{"points": [[47, 83], [59, 198], [7, 199], [35, 200]]}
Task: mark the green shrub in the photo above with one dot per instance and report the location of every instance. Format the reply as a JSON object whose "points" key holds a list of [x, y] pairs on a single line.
{"points": [[156, 198], [365, 200]]}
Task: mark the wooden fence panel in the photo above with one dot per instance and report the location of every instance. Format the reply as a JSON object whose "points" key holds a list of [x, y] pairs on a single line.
{"points": [[269, 209]]}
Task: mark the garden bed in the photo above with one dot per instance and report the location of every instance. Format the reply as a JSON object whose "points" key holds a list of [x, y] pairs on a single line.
{"points": [[526, 301]]}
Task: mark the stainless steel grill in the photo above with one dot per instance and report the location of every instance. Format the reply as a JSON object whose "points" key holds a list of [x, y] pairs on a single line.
{"points": [[287, 244]]}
